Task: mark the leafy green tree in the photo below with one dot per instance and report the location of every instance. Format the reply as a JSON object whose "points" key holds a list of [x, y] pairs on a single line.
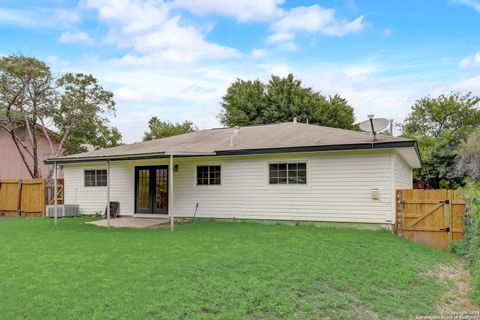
{"points": [[33, 100], [468, 161], [280, 100], [162, 129], [26, 93], [244, 103], [83, 110], [439, 125]]}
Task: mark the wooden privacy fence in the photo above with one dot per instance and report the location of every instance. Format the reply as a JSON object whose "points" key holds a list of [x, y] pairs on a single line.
{"points": [[432, 217], [27, 198]]}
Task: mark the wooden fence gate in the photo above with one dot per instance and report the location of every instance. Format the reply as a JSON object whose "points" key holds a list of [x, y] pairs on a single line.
{"points": [[432, 217], [27, 198]]}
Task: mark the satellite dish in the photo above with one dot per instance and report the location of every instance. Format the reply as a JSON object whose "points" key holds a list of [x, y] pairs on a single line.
{"points": [[374, 125]]}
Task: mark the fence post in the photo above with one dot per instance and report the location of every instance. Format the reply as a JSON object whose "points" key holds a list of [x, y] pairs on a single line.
{"points": [[44, 193], [19, 204], [398, 212], [450, 212]]}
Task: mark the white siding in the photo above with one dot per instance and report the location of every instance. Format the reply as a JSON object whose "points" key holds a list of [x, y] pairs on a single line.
{"points": [[338, 189], [403, 173]]}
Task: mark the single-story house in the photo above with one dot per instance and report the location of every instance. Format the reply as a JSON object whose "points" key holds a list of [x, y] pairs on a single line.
{"points": [[285, 171]]}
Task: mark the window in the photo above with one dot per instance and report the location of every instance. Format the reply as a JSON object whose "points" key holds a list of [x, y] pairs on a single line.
{"points": [[208, 175], [95, 178], [288, 173]]}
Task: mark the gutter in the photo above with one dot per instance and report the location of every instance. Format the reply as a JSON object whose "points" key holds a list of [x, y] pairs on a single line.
{"points": [[361, 146], [140, 156]]}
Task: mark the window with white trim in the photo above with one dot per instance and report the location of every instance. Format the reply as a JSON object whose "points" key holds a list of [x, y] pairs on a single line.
{"points": [[208, 175], [288, 173], [95, 178]]}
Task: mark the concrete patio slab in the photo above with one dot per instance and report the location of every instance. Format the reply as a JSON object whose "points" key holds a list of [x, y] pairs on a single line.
{"points": [[131, 222]]}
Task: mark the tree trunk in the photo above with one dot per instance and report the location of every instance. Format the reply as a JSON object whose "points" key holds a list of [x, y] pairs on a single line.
{"points": [[60, 146], [36, 171], [21, 154]]}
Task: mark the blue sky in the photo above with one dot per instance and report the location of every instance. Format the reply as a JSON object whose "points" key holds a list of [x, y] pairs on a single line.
{"points": [[174, 59]]}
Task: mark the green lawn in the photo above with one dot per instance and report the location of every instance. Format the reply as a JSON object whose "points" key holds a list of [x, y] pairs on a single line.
{"points": [[209, 270]]}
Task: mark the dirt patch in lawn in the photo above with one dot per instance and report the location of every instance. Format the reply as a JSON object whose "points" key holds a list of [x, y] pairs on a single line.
{"points": [[458, 280]]}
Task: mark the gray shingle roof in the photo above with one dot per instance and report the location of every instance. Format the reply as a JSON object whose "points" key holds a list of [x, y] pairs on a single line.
{"points": [[261, 137]]}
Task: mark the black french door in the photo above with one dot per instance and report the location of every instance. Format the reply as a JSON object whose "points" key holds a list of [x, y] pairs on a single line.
{"points": [[151, 189]]}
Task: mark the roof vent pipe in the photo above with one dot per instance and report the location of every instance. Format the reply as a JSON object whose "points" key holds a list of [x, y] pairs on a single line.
{"points": [[236, 130]]}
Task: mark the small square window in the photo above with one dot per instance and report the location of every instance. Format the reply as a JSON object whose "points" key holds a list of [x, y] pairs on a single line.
{"points": [[95, 178], [209, 175]]}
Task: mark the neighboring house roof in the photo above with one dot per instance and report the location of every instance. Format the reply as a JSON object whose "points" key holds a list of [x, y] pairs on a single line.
{"points": [[50, 132], [260, 139]]}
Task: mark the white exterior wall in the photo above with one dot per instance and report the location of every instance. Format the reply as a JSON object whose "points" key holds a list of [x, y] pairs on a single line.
{"points": [[338, 187], [403, 173]]}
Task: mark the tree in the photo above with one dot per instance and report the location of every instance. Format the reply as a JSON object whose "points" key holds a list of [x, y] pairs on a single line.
{"points": [[82, 112], [162, 129], [75, 104], [244, 103], [281, 100], [25, 96], [439, 125], [468, 160]]}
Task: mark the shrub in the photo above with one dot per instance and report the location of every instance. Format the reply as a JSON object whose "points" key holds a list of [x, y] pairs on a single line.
{"points": [[471, 238]]}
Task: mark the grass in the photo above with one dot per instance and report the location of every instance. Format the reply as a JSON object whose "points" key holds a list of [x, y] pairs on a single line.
{"points": [[210, 270]]}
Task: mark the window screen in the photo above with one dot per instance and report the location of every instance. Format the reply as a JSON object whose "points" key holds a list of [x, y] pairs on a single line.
{"points": [[208, 175], [288, 173], [95, 178]]}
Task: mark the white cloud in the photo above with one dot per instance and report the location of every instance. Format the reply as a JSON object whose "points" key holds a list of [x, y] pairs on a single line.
{"points": [[361, 70], [158, 36], [127, 94], [280, 37], [38, 17], [471, 61], [475, 4], [130, 16], [241, 10], [312, 19], [74, 37], [316, 19], [280, 70], [22, 18], [258, 53], [468, 85], [67, 15]]}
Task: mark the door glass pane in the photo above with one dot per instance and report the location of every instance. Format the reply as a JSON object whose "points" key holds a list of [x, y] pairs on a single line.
{"points": [[161, 189], [143, 189]]}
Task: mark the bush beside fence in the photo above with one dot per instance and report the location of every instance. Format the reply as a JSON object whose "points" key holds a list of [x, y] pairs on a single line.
{"points": [[470, 245]]}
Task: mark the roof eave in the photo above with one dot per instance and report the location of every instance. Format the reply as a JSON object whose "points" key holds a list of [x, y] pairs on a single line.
{"points": [[338, 147], [63, 160]]}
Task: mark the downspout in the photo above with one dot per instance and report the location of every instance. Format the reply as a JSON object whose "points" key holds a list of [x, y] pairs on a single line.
{"points": [[55, 191], [170, 192], [108, 193]]}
